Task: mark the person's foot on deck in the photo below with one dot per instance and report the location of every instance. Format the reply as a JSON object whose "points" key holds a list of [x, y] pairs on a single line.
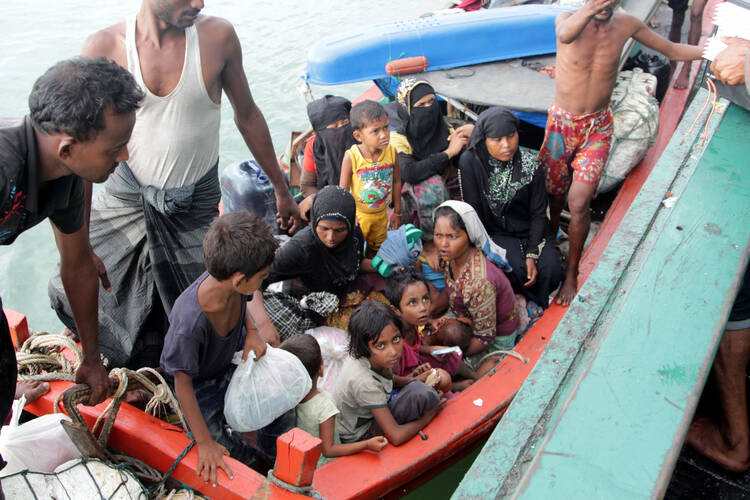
{"points": [[707, 439], [567, 292], [32, 389], [683, 79]]}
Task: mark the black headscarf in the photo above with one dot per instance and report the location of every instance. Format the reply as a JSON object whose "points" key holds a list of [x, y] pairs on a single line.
{"points": [[330, 143], [494, 122], [424, 127], [340, 264], [308, 259]]}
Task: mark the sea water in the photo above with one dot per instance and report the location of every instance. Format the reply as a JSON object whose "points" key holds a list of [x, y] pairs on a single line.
{"points": [[275, 37]]}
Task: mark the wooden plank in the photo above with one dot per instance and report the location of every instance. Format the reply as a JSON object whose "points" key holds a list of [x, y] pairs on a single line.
{"points": [[533, 409], [623, 426]]}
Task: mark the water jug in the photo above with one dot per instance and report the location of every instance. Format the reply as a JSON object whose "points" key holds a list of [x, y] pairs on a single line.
{"points": [[244, 186]]}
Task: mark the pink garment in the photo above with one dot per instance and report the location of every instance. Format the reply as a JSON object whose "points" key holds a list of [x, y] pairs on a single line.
{"points": [[469, 5], [412, 358]]}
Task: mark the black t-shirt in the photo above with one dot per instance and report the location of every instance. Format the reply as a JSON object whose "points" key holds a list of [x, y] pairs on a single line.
{"points": [[25, 203], [192, 346]]}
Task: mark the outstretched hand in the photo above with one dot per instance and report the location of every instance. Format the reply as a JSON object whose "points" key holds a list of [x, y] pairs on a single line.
{"points": [[92, 373], [287, 212], [729, 65], [210, 459]]}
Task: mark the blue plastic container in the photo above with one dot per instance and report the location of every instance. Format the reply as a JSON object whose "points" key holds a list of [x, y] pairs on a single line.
{"points": [[244, 186]]}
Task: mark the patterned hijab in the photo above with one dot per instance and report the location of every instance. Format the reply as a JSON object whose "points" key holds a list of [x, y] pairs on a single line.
{"points": [[478, 234]]}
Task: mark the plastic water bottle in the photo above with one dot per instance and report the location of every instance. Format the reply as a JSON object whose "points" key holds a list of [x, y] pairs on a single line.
{"points": [[244, 186]]}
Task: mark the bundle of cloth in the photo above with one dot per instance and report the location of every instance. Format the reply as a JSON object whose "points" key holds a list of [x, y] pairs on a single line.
{"points": [[402, 248]]}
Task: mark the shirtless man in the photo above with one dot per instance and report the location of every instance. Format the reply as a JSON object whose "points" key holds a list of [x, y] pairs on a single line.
{"points": [[184, 61], [579, 124]]}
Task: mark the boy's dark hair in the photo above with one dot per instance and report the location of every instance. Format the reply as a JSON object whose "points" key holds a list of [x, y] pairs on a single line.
{"points": [[399, 280], [454, 332], [456, 221], [238, 242], [71, 96], [364, 112], [366, 323], [307, 349]]}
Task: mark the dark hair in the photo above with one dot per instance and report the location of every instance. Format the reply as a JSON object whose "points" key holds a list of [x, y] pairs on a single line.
{"points": [[364, 112], [456, 221], [454, 332], [366, 324], [307, 349], [71, 96], [399, 280], [238, 242]]}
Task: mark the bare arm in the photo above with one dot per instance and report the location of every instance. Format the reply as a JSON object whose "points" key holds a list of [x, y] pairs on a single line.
{"points": [[395, 221], [331, 449], [253, 340], [398, 434], [675, 51], [345, 181], [254, 129], [210, 453], [81, 284], [259, 315]]}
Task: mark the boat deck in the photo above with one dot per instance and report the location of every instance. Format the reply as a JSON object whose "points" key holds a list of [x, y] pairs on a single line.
{"points": [[607, 406]]}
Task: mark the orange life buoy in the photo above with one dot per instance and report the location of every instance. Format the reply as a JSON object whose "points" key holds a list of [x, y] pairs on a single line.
{"points": [[407, 65]]}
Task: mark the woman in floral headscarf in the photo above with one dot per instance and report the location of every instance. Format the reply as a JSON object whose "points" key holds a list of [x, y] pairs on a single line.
{"points": [[506, 187]]}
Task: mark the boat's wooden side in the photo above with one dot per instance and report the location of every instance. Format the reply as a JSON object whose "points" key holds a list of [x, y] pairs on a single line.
{"points": [[608, 405]]}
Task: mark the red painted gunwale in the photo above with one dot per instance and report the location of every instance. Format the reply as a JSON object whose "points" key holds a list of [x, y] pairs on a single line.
{"points": [[455, 430]]}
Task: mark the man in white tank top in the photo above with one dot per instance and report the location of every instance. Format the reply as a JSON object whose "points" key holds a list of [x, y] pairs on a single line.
{"points": [[184, 61]]}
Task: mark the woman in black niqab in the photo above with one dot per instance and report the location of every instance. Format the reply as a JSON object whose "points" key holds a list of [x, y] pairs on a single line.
{"points": [[330, 143]]}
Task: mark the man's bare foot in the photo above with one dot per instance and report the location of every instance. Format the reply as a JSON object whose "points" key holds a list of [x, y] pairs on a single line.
{"points": [[32, 389], [683, 79], [708, 440], [567, 292]]}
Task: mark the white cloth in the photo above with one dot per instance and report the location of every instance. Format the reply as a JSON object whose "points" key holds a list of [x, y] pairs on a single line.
{"points": [[478, 234], [175, 141]]}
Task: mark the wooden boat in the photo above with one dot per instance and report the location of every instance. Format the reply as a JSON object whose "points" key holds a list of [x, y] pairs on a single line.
{"points": [[466, 420]]}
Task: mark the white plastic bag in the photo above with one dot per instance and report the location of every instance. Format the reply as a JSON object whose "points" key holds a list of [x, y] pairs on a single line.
{"points": [[635, 113], [334, 346], [39, 445], [263, 390]]}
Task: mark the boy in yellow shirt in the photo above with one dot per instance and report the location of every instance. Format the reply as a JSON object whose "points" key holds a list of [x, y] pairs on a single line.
{"points": [[370, 171]]}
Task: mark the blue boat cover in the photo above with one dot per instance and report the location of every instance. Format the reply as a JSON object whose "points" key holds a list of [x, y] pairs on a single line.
{"points": [[447, 41]]}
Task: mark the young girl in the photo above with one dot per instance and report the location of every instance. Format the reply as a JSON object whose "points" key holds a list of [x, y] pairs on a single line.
{"points": [[477, 288], [363, 389], [409, 294], [316, 413]]}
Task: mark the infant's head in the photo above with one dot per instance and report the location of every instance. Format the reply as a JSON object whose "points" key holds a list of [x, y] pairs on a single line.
{"points": [[454, 332]]}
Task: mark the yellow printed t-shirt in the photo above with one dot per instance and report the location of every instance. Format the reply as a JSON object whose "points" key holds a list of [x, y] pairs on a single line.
{"points": [[372, 181]]}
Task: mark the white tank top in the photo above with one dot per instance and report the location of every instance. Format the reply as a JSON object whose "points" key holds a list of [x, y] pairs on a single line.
{"points": [[175, 140]]}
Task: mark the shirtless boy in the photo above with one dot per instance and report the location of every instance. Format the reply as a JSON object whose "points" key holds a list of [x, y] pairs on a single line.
{"points": [[579, 124]]}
